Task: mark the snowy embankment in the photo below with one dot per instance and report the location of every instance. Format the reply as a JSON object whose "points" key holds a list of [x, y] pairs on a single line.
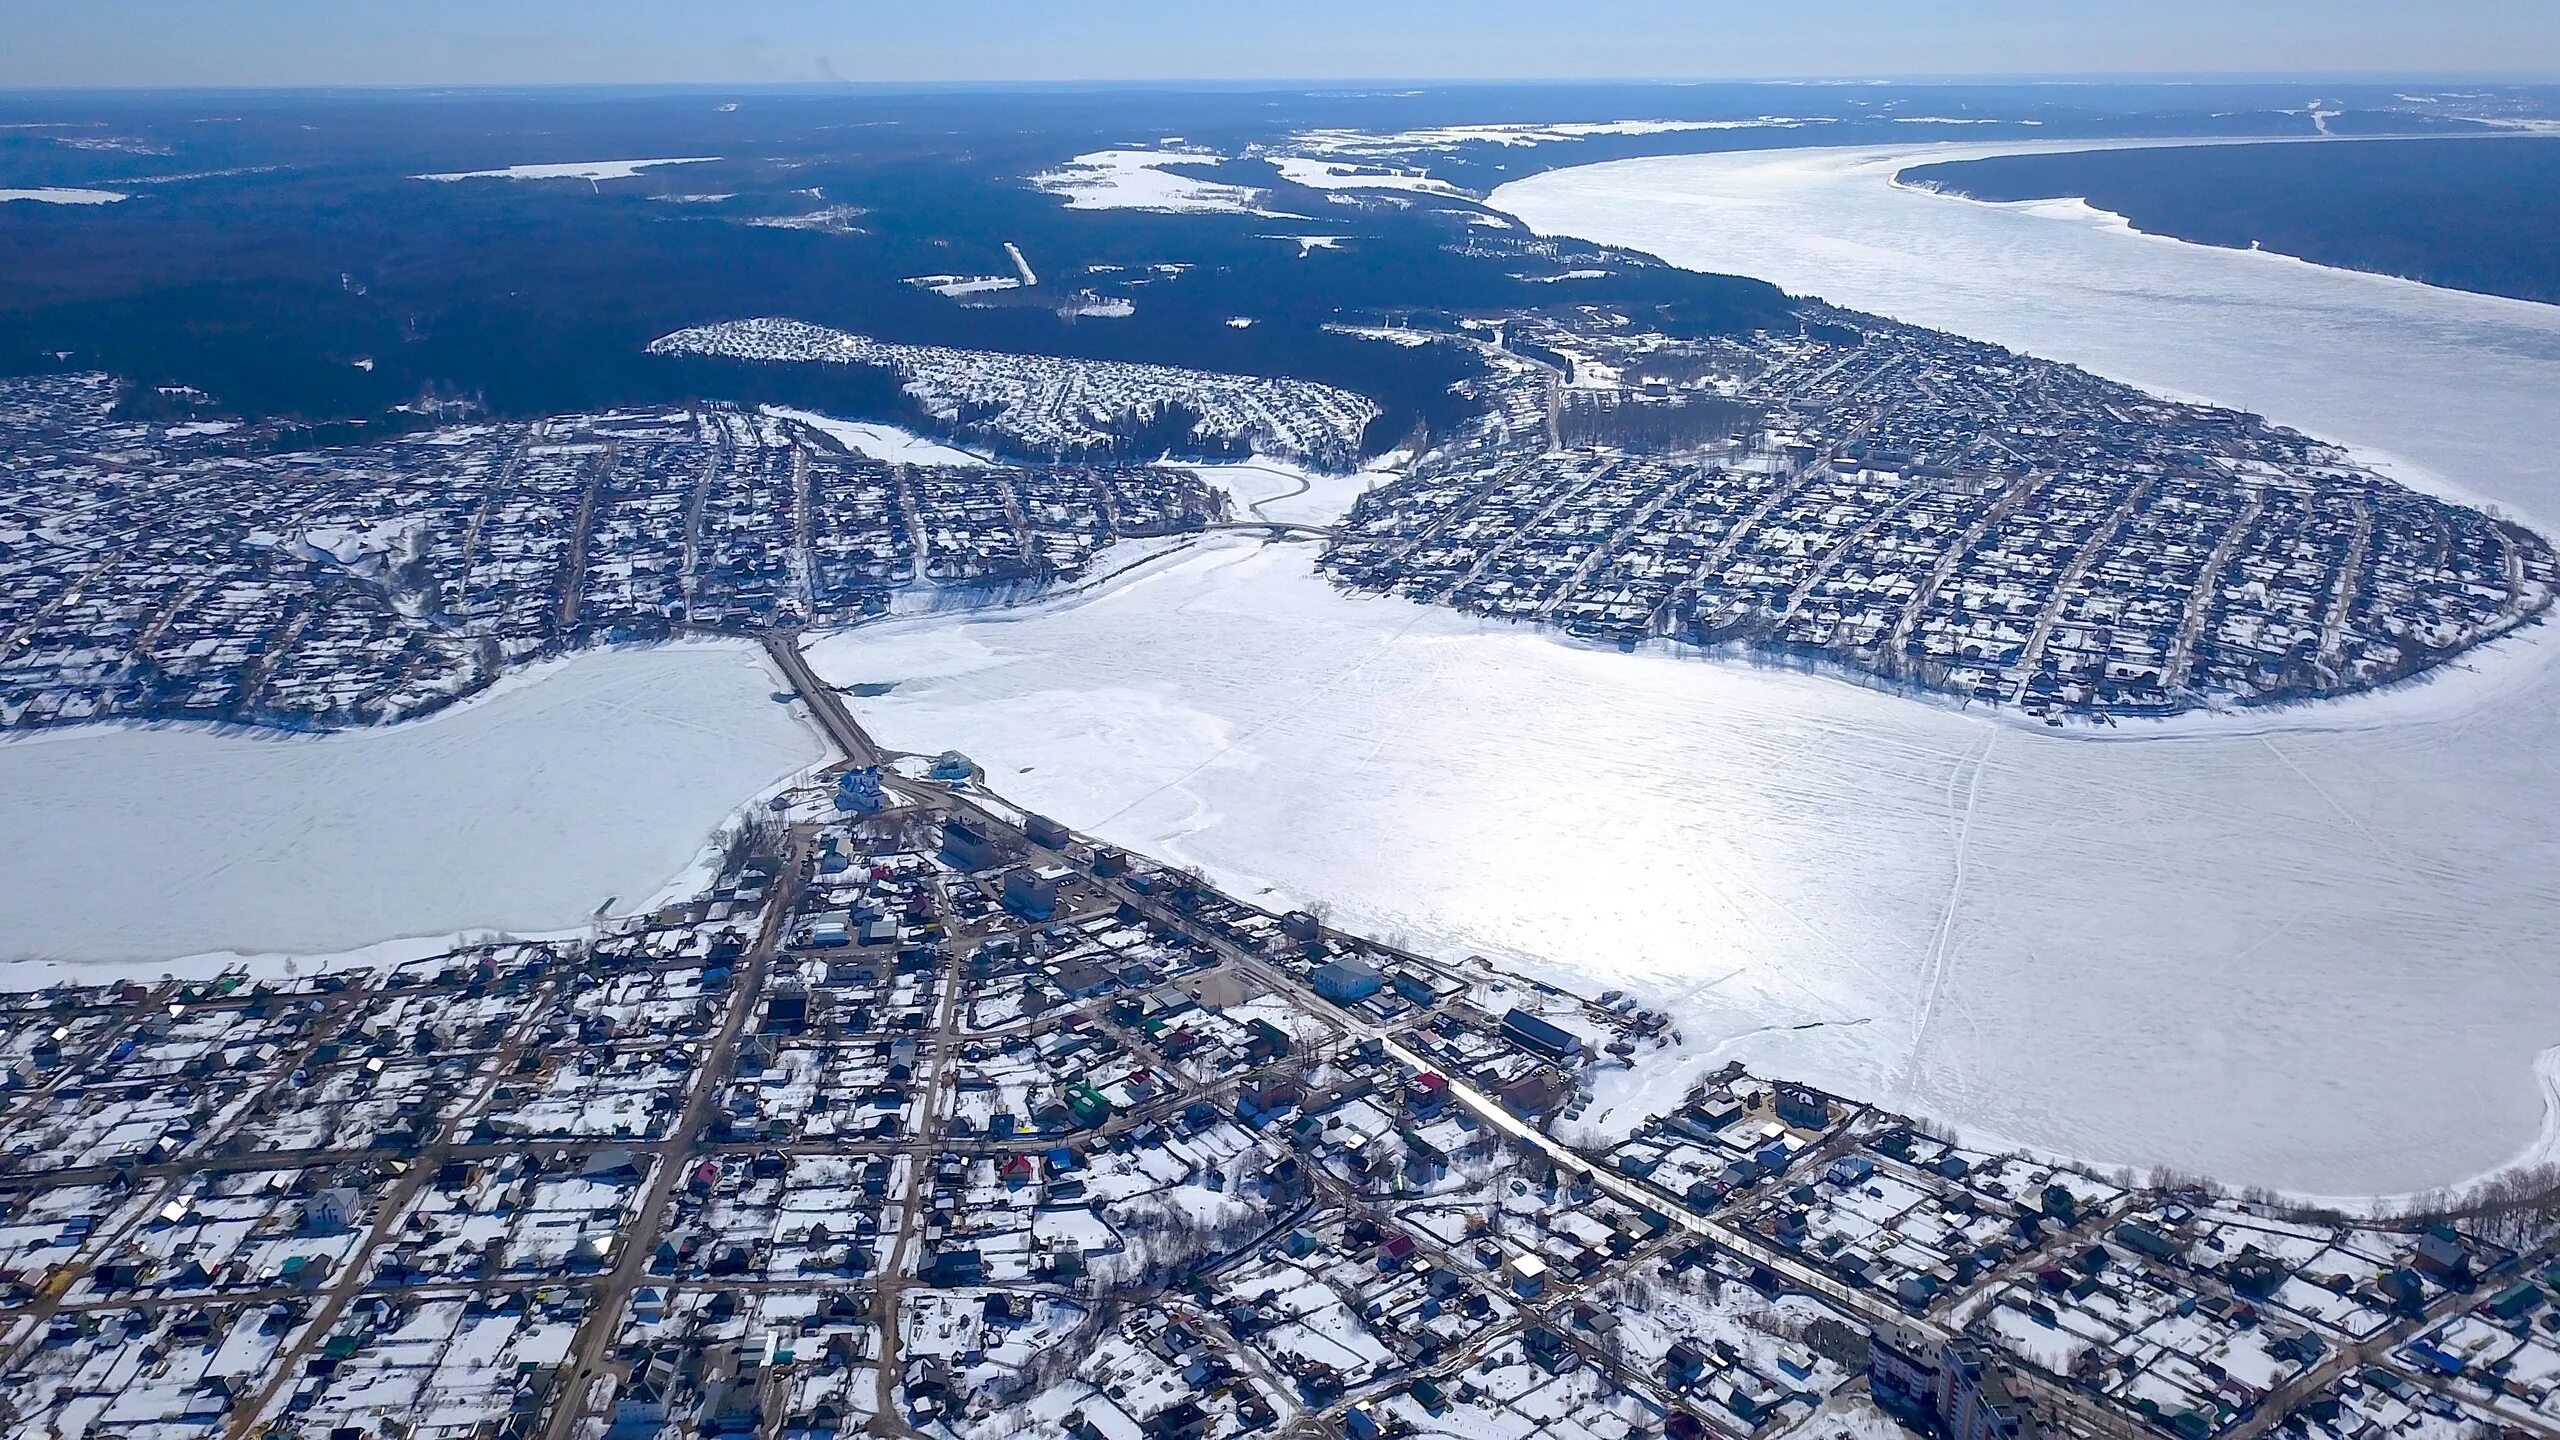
{"points": [[575, 788]]}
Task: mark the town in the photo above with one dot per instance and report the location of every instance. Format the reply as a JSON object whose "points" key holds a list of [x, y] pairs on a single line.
{"points": [[1895, 504], [930, 1117], [193, 571], [1930, 512], [1057, 409]]}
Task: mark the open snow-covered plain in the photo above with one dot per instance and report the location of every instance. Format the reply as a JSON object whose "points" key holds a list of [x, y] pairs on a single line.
{"points": [[58, 195], [589, 170], [580, 785], [2313, 955]]}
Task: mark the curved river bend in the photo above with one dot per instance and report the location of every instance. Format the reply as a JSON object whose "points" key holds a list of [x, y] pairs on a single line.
{"points": [[2318, 956], [2344, 931], [2315, 956]]}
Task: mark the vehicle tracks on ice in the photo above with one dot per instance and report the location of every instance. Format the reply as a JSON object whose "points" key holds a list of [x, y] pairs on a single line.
{"points": [[1942, 943]]}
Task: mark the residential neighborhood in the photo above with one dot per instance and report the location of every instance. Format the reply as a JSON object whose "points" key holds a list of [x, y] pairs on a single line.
{"points": [[1072, 409], [1931, 512], [219, 572], [931, 1117]]}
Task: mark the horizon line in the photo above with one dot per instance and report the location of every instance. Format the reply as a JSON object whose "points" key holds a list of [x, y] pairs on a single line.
{"points": [[2037, 79]]}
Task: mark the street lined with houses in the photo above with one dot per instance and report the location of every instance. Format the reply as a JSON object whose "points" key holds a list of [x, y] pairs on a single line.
{"points": [[932, 1117]]}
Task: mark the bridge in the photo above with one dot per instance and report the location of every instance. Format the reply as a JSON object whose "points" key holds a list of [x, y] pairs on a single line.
{"points": [[1277, 529], [822, 699]]}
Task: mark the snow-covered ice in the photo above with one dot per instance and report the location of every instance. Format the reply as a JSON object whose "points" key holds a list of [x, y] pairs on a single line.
{"points": [[1277, 490], [563, 788], [2449, 384], [2311, 954], [2046, 940]]}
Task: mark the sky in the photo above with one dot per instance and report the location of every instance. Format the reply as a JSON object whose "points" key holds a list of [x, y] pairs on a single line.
{"points": [[47, 43]]}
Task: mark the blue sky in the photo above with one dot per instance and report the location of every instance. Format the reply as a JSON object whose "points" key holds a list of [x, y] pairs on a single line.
{"points": [[367, 42]]}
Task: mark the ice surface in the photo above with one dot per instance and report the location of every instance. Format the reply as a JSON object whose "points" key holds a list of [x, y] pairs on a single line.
{"points": [[1278, 490], [526, 808], [2314, 955], [2448, 381]]}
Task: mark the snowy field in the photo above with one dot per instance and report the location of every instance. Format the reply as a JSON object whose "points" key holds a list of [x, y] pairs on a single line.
{"points": [[586, 782], [2313, 955], [1348, 175], [589, 170], [1136, 180], [57, 195], [881, 442]]}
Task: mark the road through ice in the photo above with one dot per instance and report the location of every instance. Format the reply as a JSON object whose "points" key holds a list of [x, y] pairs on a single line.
{"points": [[2315, 955], [591, 780]]}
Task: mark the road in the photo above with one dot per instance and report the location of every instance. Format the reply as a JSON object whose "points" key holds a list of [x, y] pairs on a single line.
{"points": [[914, 1196], [350, 1277], [1277, 529], [850, 736], [2080, 1411], [822, 699], [590, 1355]]}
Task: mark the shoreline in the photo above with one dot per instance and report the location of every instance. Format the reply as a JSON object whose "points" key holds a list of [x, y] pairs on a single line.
{"points": [[1167, 816], [1169, 845], [229, 844], [2439, 683], [2086, 210]]}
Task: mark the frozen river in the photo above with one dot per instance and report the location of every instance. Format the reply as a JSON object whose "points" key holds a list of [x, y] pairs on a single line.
{"points": [[586, 783], [2317, 957]]}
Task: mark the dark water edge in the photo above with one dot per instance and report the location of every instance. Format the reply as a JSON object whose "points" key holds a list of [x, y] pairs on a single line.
{"points": [[2477, 214]]}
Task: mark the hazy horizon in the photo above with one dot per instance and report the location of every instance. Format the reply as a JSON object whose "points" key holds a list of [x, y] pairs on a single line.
{"points": [[155, 44]]}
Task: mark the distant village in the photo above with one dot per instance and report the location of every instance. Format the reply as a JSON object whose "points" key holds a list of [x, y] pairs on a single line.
{"points": [[1931, 512], [197, 571], [928, 1117], [1062, 409]]}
